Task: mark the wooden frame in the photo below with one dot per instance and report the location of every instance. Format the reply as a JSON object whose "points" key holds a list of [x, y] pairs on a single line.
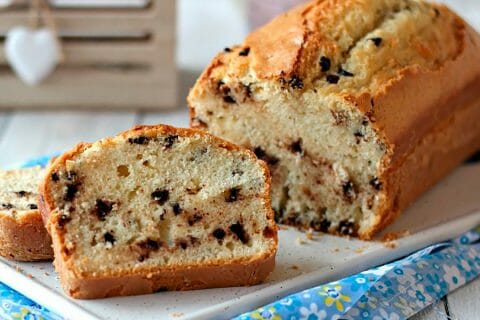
{"points": [[114, 58]]}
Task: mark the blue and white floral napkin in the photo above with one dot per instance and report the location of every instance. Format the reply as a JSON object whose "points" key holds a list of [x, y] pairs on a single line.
{"points": [[394, 291]]}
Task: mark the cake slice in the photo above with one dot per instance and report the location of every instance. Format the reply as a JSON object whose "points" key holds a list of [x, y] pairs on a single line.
{"points": [[22, 234], [158, 208], [358, 107]]}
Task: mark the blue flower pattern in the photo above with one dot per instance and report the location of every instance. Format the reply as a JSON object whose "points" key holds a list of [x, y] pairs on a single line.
{"points": [[394, 291]]}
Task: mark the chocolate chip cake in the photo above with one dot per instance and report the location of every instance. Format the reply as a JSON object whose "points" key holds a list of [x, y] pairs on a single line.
{"points": [[158, 208], [357, 107], [22, 234]]}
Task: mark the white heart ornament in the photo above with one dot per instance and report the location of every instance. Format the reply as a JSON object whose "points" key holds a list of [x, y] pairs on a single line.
{"points": [[33, 54]]}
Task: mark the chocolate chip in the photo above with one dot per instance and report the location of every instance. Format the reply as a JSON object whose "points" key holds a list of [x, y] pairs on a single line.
{"points": [[293, 218], [358, 135], [332, 78], [170, 140], [295, 82], [344, 72], [244, 52], [268, 232], [376, 184], [262, 155], [71, 191], [321, 225], [296, 147], [347, 228], [377, 41], [161, 196], [227, 49], [229, 99], [219, 233], [220, 83], [109, 238], [141, 140], [278, 214], [22, 193], [437, 12], [103, 208], [247, 88], [475, 158], [225, 91], [182, 243], [237, 172], [348, 190], [7, 206], [259, 152], [62, 221], [194, 240], [232, 194], [71, 176], [32, 206], [176, 209], [161, 289], [194, 219], [142, 258], [149, 244], [325, 64], [54, 176], [239, 231]]}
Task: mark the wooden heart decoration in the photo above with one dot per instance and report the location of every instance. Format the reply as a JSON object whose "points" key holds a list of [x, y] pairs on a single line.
{"points": [[32, 54]]}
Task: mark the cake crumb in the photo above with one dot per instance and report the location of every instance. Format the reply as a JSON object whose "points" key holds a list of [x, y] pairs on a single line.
{"points": [[295, 267], [30, 276], [390, 244], [391, 236], [176, 314], [300, 241], [360, 250], [309, 234], [46, 273], [389, 239]]}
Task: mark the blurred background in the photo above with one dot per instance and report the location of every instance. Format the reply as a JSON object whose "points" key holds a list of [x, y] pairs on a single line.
{"points": [[68, 67], [133, 53]]}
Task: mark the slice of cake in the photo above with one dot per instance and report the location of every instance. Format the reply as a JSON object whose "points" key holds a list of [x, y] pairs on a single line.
{"points": [[358, 107], [22, 234], [158, 208]]}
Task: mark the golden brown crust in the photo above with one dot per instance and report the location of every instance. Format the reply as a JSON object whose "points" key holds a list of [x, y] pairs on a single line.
{"points": [[453, 139], [24, 238], [141, 281], [433, 138]]}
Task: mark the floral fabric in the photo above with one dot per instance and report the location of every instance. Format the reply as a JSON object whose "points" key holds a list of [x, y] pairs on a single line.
{"points": [[14, 306], [394, 291]]}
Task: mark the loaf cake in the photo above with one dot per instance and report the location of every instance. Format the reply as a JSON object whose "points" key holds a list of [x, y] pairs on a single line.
{"points": [[158, 208], [358, 107], [22, 234]]}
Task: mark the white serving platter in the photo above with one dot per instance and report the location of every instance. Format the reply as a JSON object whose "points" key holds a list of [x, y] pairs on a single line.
{"points": [[449, 209]]}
